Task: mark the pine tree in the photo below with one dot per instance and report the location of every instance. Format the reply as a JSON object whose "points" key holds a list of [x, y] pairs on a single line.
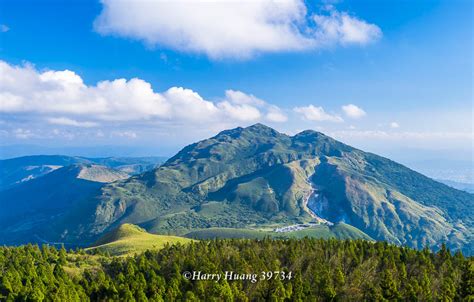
{"points": [[62, 255], [467, 281], [448, 290], [388, 286]]}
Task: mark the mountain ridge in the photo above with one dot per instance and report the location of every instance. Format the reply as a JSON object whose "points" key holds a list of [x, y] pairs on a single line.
{"points": [[262, 170], [15, 171], [256, 177], [30, 209]]}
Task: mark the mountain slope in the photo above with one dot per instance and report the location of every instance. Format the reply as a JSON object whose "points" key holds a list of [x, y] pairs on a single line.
{"points": [[129, 239], [21, 169], [256, 177], [338, 231], [130, 165], [31, 210]]}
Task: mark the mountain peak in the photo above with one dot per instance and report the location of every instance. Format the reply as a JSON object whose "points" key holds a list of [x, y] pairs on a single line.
{"points": [[256, 130], [93, 172], [261, 129], [259, 126], [123, 231], [310, 132], [256, 176]]}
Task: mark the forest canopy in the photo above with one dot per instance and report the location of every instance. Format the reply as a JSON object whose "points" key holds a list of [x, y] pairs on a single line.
{"points": [[323, 270]]}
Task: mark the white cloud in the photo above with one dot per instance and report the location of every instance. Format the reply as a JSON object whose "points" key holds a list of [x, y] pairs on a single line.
{"points": [[353, 111], [185, 104], [400, 136], [23, 89], [126, 134], [341, 28], [275, 115], [70, 122], [56, 133], [238, 97], [247, 103], [4, 28], [239, 112], [313, 113], [394, 125], [235, 29], [23, 133]]}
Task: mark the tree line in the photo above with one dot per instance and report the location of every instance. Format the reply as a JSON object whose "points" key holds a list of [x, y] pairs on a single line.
{"points": [[322, 270]]}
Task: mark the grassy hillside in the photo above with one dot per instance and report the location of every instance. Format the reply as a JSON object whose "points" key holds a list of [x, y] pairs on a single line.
{"points": [[98, 173], [256, 177], [338, 231], [252, 177], [131, 239]]}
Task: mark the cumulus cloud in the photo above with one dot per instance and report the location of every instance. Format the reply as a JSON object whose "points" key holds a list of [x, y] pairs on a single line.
{"points": [[222, 29], [249, 102], [65, 99], [313, 113], [353, 111], [341, 28], [394, 125], [276, 115], [238, 97]]}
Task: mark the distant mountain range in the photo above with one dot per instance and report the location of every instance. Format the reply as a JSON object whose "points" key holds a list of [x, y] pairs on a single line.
{"points": [[20, 169], [246, 180], [468, 187], [33, 207]]}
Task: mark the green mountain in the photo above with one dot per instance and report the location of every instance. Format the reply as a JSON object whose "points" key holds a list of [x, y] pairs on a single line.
{"points": [[18, 170], [34, 210], [258, 178], [129, 239], [337, 231], [130, 165]]}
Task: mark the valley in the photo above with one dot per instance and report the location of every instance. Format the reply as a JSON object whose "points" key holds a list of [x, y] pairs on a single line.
{"points": [[249, 182], [236, 151], [313, 204]]}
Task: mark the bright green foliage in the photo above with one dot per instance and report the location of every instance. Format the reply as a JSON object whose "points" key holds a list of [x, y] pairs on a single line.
{"points": [[129, 239], [34, 274], [322, 270]]}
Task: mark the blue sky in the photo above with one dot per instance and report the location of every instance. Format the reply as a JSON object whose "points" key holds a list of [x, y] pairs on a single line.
{"points": [[401, 69]]}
